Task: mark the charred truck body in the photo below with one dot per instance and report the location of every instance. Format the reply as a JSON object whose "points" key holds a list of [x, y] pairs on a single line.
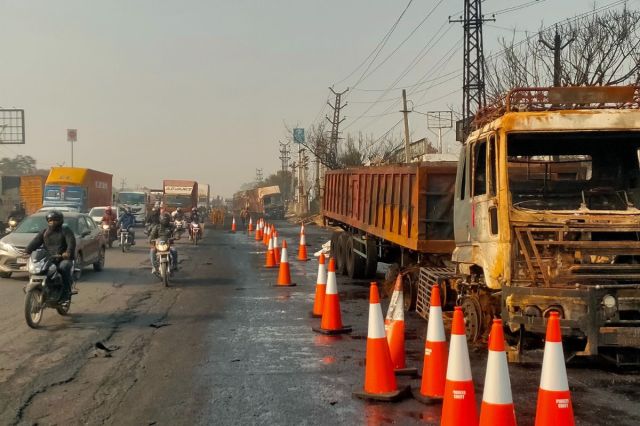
{"points": [[546, 218]]}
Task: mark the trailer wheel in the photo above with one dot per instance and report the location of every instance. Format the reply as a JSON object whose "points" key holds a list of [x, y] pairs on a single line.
{"points": [[371, 264], [472, 317], [335, 241], [355, 263], [341, 254]]}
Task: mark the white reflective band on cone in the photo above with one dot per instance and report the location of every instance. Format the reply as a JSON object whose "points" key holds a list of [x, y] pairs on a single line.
{"points": [[435, 327], [376, 323], [303, 241], [554, 372], [497, 386], [396, 307], [322, 274], [332, 286], [284, 258], [459, 366]]}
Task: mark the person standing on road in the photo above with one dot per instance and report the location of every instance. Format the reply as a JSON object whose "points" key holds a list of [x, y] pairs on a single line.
{"points": [[57, 240], [162, 230]]}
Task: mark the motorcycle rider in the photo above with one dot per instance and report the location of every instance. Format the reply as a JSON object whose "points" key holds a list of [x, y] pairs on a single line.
{"points": [[177, 214], [127, 221], [153, 218], [57, 240], [109, 218], [18, 213], [194, 218], [164, 230]]}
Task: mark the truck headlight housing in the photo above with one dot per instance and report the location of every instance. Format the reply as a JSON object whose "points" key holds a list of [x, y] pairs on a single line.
{"points": [[609, 301]]}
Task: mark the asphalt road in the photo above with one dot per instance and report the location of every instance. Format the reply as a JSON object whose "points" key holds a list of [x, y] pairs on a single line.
{"points": [[222, 346]]}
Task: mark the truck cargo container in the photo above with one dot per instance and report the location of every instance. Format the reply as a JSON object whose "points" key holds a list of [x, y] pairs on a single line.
{"points": [[264, 201], [31, 192], [180, 193], [77, 188], [204, 196]]}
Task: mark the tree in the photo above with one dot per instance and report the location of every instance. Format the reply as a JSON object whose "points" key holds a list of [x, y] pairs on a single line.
{"points": [[18, 166], [599, 49]]}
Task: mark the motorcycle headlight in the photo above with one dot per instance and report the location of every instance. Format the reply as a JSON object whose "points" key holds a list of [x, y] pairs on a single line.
{"points": [[162, 246], [12, 222], [105, 227], [35, 267]]}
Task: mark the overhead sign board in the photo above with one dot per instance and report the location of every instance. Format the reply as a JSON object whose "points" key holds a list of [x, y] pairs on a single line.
{"points": [[11, 126], [298, 135], [72, 135]]}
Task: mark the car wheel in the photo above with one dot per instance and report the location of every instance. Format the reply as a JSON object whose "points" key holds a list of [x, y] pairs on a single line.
{"points": [[99, 265], [4, 274]]}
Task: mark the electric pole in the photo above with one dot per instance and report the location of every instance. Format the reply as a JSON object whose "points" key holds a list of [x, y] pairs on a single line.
{"points": [[473, 90], [285, 156], [405, 112], [259, 175], [332, 152], [123, 182], [557, 48]]}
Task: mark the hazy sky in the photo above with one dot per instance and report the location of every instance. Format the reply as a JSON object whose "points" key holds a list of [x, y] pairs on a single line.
{"points": [[202, 89]]}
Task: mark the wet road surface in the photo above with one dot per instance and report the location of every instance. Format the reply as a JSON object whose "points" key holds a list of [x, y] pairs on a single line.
{"points": [[222, 346]]}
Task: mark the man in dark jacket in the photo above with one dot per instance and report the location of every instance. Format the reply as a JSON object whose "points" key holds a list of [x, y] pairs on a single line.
{"points": [[57, 240], [163, 230]]}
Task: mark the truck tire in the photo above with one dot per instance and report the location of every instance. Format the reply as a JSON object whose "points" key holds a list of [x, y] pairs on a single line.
{"points": [[335, 240], [341, 254], [355, 263], [371, 264]]}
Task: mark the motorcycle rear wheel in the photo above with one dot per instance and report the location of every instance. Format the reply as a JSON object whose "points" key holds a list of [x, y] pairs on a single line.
{"points": [[64, 309], [33, 308]]}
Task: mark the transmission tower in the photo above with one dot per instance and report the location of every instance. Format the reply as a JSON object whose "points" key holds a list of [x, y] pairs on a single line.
{"points": [[332, 152], [259, 175], [473, 93]]}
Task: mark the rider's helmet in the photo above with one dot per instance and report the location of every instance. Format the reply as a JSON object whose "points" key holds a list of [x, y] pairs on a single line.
{"points": [[127, 210], [55, 219], [16, 206], [179, 210], [194, 210]]}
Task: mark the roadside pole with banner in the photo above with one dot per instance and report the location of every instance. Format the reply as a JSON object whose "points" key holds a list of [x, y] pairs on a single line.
{"points": [[72, 136]]}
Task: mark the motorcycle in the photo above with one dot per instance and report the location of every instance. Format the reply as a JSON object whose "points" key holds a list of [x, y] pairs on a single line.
{"points": [[125, 239], [195, 232], [108, 232], [179, 228], [164, 258], [13, 224], [44, 289]]}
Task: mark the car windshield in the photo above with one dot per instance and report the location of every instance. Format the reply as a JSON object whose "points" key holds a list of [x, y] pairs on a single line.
{"points": [[35, 224], [97, 211]]}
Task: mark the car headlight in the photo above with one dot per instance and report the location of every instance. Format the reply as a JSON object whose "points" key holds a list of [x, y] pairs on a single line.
{"points": [[609, 301], [6, 247]]}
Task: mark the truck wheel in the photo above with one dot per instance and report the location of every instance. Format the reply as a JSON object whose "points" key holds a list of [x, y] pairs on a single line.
{"points": [[341, 254], [371, 264], [335, 240], [472, 317], [355, 262]]}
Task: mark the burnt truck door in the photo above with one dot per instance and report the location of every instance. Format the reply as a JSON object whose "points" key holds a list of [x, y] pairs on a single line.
{"points": [[485, 223]]}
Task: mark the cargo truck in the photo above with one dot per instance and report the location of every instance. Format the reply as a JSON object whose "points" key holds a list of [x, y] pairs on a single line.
{"points": [[204, 196], [180, 193], [31, 192], [77, 188], [264, 201], [544, 216], [137, 201]]}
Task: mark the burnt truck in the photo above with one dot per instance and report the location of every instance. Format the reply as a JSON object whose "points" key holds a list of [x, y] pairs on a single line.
{"points": [[544, 211], [265, 202]]}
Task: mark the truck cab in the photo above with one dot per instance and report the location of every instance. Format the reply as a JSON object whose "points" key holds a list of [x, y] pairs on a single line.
{"points": [[547, 217]]}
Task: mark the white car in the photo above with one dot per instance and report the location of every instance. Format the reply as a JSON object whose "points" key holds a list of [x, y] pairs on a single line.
{"points": [[96, 213]]}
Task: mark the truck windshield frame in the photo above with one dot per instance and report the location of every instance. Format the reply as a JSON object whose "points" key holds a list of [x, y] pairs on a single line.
{"points": [[131, 198], [177, 200], [567, 171]]}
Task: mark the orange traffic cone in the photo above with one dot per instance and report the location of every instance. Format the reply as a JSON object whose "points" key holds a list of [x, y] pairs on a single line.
{"points": [[259, 231], [250, 230], [302, 228], [284, 273], [233, 224], [270, 260], [265, 233], [331, 318], [394, 328], [276, 248], [321, 285], [302, 249], [379, 379], [435, 354], [497, 403], [554, 399], [459, 406]]}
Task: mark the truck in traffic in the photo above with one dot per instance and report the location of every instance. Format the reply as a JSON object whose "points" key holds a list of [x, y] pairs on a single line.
{"points": [[180, 193], [137, 201], [540, 214], [77, 188], [204, 196], [31, 192], [264, 201]]}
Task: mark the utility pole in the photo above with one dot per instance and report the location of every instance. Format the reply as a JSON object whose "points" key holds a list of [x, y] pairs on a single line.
{"points": [[259, 175], [332, 152], [294, 166], [557, 48], [123, 182], [473, 90], [285, 156], [405, 111]]}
